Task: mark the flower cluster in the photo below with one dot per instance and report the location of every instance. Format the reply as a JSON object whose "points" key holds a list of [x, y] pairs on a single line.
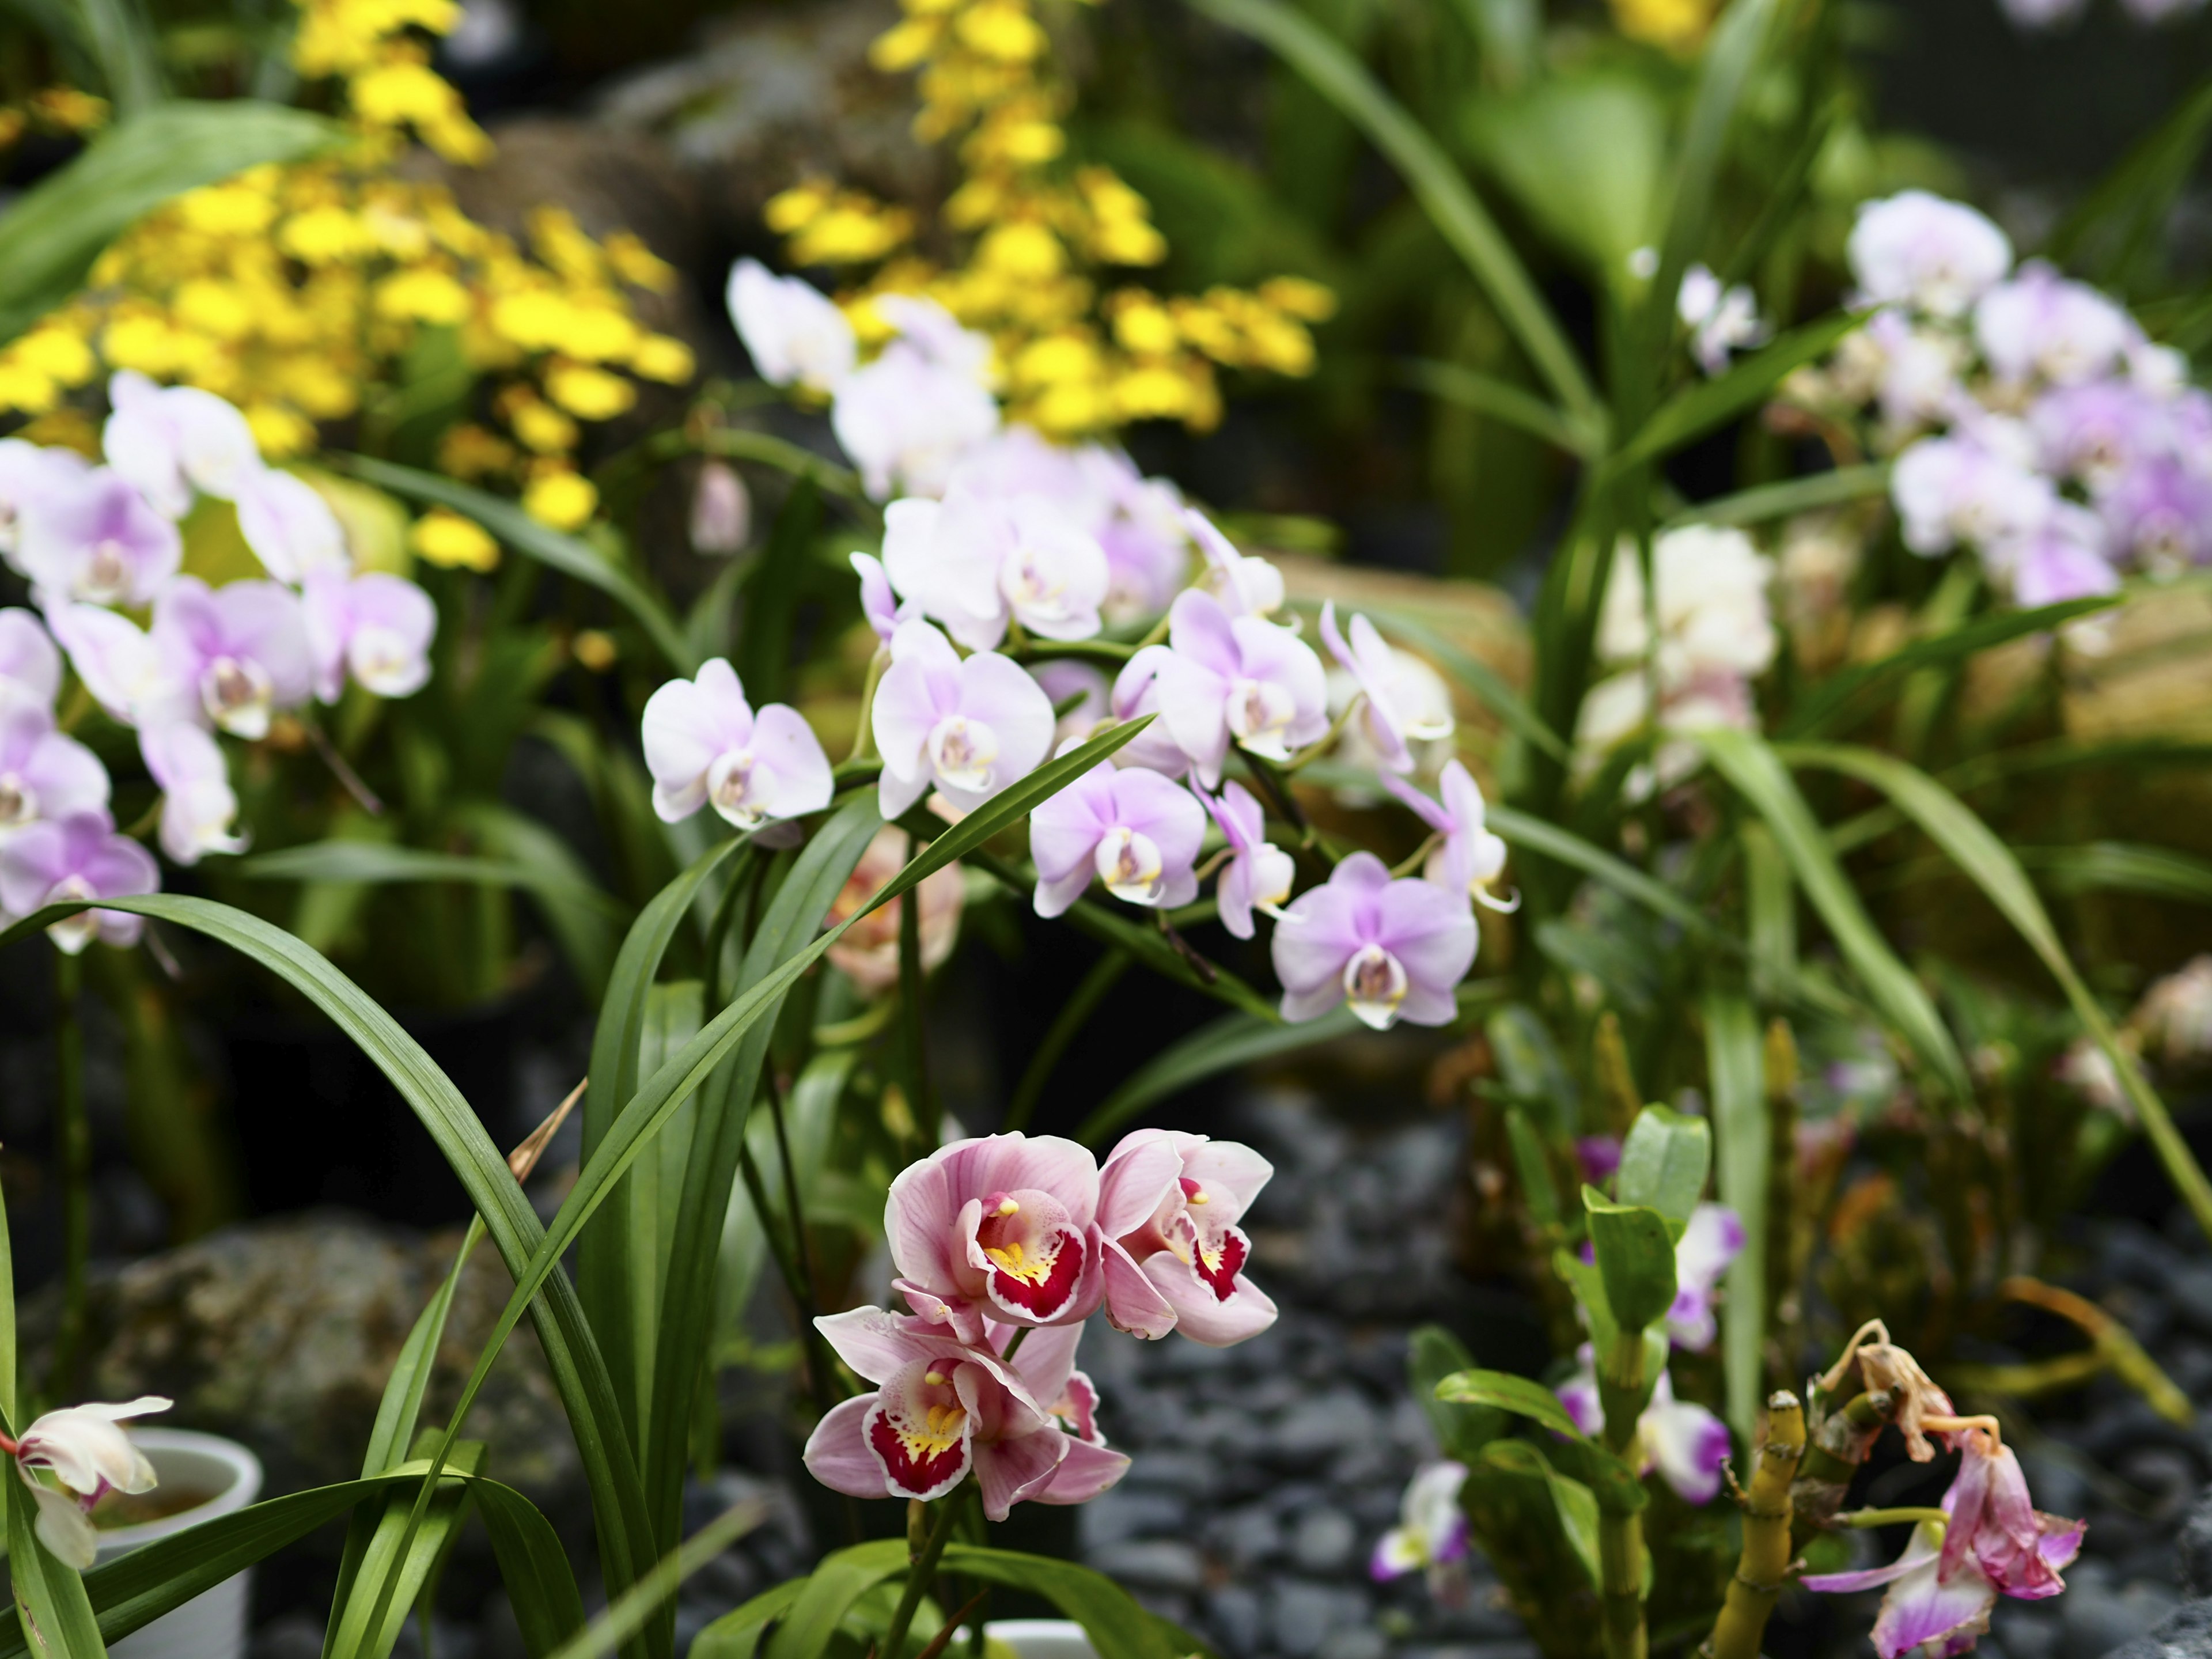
{"points": [[1081, 352], [97, 542], [390, 87], [1677, 26], [1003, 1247], [89, 1456], [2042, 14], [2032, 419]]}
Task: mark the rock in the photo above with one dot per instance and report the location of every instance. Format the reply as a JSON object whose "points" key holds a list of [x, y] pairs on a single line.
{"points": [[1246, 1537], [2189, 1290], [1157, 1564], [1238, 1618], [2185, 1633], [1305, 1615], [2026, 1630], [2193, 1548], [1361, 1642], [2096, 1620], [1324, 1541], [1122, 1513], [1319, 1427]]}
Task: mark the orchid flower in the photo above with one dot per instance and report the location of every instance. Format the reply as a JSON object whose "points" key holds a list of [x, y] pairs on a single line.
{"points": [[1713, 1238], [198, 806], [1136, 692], [1953, 489], [43, 773], [1470, 857], [721, 519], [907, 422], [868, 952], [1137, 832], [239, 653], [1169, 1204], [95, 538], [1080, 696], [1045, 1363], [999, 1228], [118, 664], [1245, 586], [28, 471], [1722, 317], [795, 333], [1392, 949], [2094, 432], [56, 860], [704, 746], [1370, 661], [81, 1448], [2158, 512], [1432, 1533], [2063, 558], [376, 626], [1680, 1438], [878, 603], [30, 661], [1147, 548], [968, 726], [2040, 325], [290, 527], [926, 327], [1237, 678], [1259, 874], [1915, 248], [171, 441], [975, 563]]}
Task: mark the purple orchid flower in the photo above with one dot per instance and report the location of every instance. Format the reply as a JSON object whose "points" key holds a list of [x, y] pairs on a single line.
{"points": [[1392, 949], [977, 563], [377, 627], [2159, 515], [290, 527], [1137, 832], [907, 422], [118, 664], [198, 806], [80, 857], [1470, 857], [2064, 558], [1136, 692], [795, 333], [1259, 874], [878, 603], [1713, 1237], [1599, 1158], [235, 654], [1915, 248], [2093, 433], [1953, 489], [95, 538], [2042, 326], [1368, 660], [28, 471], [43, 773], [1147, 547], [1237, 678], [705, 746], [1687, 1443], [1245, 586], [1431, 1535], [30, 661], [171, 441], [968, 726]]}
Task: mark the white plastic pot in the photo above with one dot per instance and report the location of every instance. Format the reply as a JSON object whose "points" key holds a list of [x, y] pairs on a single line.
{"points": [[1042, 1638], [212, 1625]]}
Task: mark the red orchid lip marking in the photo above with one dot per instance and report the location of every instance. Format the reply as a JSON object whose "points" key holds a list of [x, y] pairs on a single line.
{"points": [[1040, 1285], [1219, 1267], [920, 1460]]}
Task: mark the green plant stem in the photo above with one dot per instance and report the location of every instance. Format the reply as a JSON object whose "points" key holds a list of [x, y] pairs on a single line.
{"points": [[922, 1575], [1767, 1553], [1891, 1518], [914, 1038], [1073, 1015], [1621, 1537], [73, 1152], [802, 1251]]}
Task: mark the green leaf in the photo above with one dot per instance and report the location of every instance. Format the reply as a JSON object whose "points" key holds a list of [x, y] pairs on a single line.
{"points": [[1756, 775], [122, 39], [2119, 866], [737, 1635], [1736, 1069], [1765, 502], [1536, 834], [1502, 400], [49, 238], [625, 1618], [575, 906], [1634, 1258], [1462, 1430], [1535, 1168], [565, 553], [1617, 1488], [1436, 183], [1503, 1391], [765, 639], [52, 1611], [828, 1596], [1699, 408], [1582, 155], [1572, 1501], [406, 1555], [1588, 1284], [1663, 1163], [1117, 1626]]}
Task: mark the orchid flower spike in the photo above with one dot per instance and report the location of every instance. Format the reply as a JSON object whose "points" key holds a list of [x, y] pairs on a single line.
{"points": [[1137, 832], [705, 746], [1432, 1533], [82, 1447], [968, 726], [1237, 679], [1713, 1238], [975, 563], [57, 861], [1169, 1204], [1392, 950], [1470, 857], [1687, 1443], [1259, 874]]}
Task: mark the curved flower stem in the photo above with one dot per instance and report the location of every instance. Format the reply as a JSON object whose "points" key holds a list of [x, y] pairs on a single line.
{"points": [[1766, 1549], [73, 1150], [1321, 745], [1907, 1517], [918, 1580]]}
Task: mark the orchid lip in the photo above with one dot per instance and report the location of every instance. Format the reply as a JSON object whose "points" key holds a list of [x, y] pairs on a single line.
{"points": [[238, 696], [729, 785], [1129, 863], [963, 751], [1375, 983], [1259, 714], [19, 803], [106, 577]]}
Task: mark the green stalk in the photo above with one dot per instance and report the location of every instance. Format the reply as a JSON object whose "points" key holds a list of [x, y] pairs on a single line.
{"points": [[1621, 1537], [924, 1573], [73, 1152], [914, 1041], [1767, 1551]]}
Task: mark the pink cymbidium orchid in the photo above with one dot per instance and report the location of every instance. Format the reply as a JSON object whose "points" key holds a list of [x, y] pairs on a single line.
{"points": [[1237, 679], [375, 627], [705, 745], [1259, 874], [1368, 660], [43, 773], [1393, 950], [1996, 1542], [1137, 832], [198, 806], [1432, 1533], [999, 1228], [1687, 1443], [56, 860], [235, 655], [1713, 1238], [94, 538], [1045, 1363], [968, 726], [1169, 1204], [1470, 857], [82, 1447], [977, 563]]}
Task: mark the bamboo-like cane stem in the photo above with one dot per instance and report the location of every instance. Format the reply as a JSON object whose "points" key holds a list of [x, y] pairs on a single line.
{"points": [[1766, 1547]]}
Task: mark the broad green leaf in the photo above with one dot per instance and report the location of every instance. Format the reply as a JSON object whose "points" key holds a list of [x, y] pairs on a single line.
{"points": [[1435, 181], [1635, 1259], [575, 906], [1736, 1071], [381, 863], [1752, 770], [1588, 1284], [828, 1593], [1504, 1392], [550, 547], [1698, 409], [1502, 400], [1765, 502], [1573, 1503], [1461, 1430], [623, 1619], [49, 238], [737, 1635], [1117, 1626], [123, 39], [1534, 1167], [1582, 155], [1616, 1487], [1663, 1163], [2118, 866]]}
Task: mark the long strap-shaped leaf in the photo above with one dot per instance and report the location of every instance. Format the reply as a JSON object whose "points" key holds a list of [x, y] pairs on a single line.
{"points": [[1955, 827], [52, 1611], [571, 1356]]}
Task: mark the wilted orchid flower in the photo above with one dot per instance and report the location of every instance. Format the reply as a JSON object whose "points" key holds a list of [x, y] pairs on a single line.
{"points": [[1246, 586], [237, 652], [868, 954], [2042, 326], [705, 746], [170, 440], [1721, 319], [721, 520], [1393, 950], [1259, 874], [1996, 1543], [94, 538], [974, 564], [795, 333], [43, 773], [1137, 832], [198, 806], [1136, 692], [1917, 249], [82, 1447], [30, 661], [1713, 1238], [999, 1228], [1957, 488], [291, 528], [970, 726], [1470, 857], [80, 857], [907, 422], [1687, 1443], [1169, 1204], [1237, 678], [27, 471], [376, 626], [1432, 1533], [942, 1409], [1389, 720]]}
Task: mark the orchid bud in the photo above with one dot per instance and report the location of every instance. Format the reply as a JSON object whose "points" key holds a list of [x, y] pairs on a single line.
{"points": [[721, 510]]}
